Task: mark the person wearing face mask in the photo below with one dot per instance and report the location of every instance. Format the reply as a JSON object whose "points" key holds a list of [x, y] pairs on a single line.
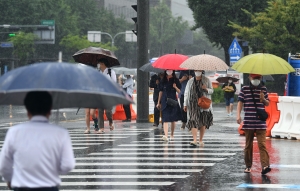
{"points": [[199, 119], [252, 125], [168, 87], [229, 90]]}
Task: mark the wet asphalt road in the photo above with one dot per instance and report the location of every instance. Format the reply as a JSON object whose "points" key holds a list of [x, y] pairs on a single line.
{"points": [[133, 157]]}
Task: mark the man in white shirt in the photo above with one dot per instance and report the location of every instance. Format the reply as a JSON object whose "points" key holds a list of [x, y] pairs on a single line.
{"points": [[128, 87], [36, 152], [104, 69]]}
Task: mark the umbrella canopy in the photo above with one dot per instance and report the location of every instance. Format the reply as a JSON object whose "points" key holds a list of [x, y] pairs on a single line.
{"points": [[263, 63], [149, 68], [125, 71], [91, 55], [225, 79], [170, 61], [204, 62], [71, 85]]}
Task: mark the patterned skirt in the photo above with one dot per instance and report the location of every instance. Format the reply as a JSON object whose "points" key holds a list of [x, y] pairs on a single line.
{"points": [[198, 118]]}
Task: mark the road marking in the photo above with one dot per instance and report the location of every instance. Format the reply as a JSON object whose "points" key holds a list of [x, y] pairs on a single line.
{"points": [[147, 158], [284, 166], [163, 145], [137, 170], [124, 176], [143, 164], [153, 153], [172, 149], [286, 186]]}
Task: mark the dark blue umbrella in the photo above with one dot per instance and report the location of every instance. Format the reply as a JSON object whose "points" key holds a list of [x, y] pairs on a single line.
{"points": [[71, 85]]}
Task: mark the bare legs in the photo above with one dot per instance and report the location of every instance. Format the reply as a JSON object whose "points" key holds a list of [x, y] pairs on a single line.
{"points": [[201, 134], [88, 113], [166, 129]]}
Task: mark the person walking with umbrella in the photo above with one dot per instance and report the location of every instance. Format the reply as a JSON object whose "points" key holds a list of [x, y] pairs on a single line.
{"points": [[229, 89], [167, 102], [198, 118], [104, 69], [253, 98], [128, 87], [154, 83]]}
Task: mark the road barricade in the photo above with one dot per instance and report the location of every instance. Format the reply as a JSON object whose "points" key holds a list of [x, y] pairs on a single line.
{"points": [[288, 125], [119, 113], [273, 112]]}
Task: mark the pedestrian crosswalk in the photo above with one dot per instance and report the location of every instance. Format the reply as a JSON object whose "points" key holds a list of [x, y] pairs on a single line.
{"points": [[141, 160], [137, 158]]}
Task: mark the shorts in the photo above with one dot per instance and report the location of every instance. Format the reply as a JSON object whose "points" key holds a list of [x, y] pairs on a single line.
{"points": [[229, 101]]}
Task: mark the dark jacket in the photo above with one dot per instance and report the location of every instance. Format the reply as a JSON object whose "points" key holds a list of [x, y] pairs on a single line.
{"points": [[155, 86]]}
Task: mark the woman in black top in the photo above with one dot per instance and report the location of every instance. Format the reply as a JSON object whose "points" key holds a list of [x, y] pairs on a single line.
{"points": [[168, 88]]}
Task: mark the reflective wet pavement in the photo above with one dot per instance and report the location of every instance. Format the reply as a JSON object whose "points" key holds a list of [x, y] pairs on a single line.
{"points": [[133, 157]]}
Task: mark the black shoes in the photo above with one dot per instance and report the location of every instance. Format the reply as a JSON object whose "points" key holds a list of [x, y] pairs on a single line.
{"points": [[127, 120]]}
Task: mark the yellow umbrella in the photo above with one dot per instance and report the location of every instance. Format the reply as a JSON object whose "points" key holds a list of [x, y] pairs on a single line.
{"points": [[263, 63]]}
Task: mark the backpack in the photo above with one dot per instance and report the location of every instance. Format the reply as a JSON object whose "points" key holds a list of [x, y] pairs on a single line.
{"points": [[109, 72]]}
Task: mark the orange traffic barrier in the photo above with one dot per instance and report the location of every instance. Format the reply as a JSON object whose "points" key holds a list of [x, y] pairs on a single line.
{"points": [[273, 112], [120, 113]]}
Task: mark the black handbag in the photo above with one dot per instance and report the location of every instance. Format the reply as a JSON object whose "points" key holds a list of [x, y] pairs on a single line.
{"points": [[172, 102], [261, 114]]}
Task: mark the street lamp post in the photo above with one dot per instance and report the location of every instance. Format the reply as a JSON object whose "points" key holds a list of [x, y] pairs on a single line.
{"points": [[113, 37]]}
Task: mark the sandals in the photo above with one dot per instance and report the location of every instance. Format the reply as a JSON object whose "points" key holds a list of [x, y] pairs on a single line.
{"points": [[265, 170], [100, 132], [247, 170], [87, 132], [111, 127], [165, 138], [193, 144]]}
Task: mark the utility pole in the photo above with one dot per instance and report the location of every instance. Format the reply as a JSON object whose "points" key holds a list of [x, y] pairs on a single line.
{"points": [[142, 58]]}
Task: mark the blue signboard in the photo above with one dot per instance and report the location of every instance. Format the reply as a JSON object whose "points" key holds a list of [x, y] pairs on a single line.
{"points": [[6, 44], [5, 69], [235, 51], [235, 48]]}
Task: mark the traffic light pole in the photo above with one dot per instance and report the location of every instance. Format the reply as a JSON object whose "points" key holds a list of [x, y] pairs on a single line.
{"points": [[142, 58]]}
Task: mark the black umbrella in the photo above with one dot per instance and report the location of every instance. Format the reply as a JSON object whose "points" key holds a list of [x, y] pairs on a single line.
{"points": [[91, 55], [71, 85], [149, 68]]}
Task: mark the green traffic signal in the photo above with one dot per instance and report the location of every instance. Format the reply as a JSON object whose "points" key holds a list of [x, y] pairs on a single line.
{"points": [[11, 34]]}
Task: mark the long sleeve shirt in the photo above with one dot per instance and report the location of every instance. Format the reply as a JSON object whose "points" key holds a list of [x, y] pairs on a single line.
{"points": [[35, 153], [129, 86]]}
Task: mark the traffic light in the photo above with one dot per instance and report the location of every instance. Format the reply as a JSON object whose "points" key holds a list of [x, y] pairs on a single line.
{"points": [[135, 20]]}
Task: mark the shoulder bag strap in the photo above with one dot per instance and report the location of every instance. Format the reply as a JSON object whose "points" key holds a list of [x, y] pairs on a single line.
{"points": [[253, 98]]}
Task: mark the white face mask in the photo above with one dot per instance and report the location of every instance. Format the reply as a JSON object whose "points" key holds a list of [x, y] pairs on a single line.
{"points": [[169, 72], [198, 73], [255, 82], [229, 81]]}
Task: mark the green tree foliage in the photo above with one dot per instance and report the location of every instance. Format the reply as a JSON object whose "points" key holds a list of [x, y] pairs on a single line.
{"points": [[213, 17], [73, 43], [165, 30], [23, 46], [276, 30]]}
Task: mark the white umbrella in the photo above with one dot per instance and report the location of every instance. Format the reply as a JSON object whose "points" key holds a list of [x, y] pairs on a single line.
{"points": [[204, 62], [125, 71]]}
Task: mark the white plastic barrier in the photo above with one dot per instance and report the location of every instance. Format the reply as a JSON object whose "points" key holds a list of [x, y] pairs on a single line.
{"points": [[288, 125]]}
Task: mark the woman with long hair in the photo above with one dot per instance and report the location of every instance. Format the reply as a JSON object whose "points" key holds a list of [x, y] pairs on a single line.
{"points": [[168, 88]]}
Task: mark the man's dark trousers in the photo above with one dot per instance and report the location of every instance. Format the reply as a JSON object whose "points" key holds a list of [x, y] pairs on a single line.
{"points": [[127, 111], [156, 114], [184, 114]]}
